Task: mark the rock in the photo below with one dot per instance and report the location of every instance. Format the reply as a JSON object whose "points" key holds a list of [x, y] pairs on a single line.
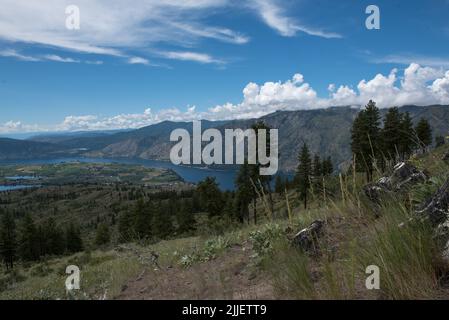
{"points": [[306, 239], [436, 209], [445, 157], [373, 192], [404, 175]]}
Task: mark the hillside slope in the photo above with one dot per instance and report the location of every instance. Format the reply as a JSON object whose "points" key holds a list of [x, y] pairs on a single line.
{"points": [[327, 132]]}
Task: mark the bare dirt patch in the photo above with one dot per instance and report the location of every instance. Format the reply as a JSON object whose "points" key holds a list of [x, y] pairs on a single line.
{"points": [[229, 276]]}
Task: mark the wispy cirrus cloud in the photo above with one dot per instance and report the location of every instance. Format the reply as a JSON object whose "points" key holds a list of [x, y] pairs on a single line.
{"points": [[56, 58], [138, 60], [112, 27], [115, 28], [10, 53], [406, 59], [190, 56], [274, 15]]}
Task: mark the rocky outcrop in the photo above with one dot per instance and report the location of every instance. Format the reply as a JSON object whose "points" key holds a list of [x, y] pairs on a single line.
{"points": [[446, 157], [404, 175], [436, 209], [307, 239]]}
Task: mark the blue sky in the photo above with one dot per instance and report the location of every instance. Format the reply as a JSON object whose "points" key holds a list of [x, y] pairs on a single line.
{"points": [[216, 59]]}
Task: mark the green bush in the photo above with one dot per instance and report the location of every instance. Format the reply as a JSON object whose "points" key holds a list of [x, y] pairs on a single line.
{"points": [[264, 239]]}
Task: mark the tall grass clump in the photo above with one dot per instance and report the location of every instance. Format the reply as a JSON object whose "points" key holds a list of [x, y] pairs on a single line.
{"points": [[292, 276], [406, 253]]}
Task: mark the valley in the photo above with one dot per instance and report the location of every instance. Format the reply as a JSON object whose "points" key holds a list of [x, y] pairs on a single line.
{"points": [[141, 231]]}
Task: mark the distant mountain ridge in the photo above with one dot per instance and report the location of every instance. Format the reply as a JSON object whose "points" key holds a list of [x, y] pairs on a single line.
{"points": [[326, 131]]}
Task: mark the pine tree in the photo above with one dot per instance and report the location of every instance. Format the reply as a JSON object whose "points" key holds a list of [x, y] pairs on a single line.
{"points": [[162, 226], [185, 218], [327, 167], [210, 196], [303, 173], [8, 244], [103, 235], [256, 178], [28, 243], [317, 171], [366, 140], [125, 226], [244, 191], [391, 134], [407, 136], [255, 175], [54, 242], [74, 242], [143, 216], [424, 134]]}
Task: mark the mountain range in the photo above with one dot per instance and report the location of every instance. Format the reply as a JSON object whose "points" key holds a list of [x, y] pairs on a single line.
{"points": [[326, 131]]}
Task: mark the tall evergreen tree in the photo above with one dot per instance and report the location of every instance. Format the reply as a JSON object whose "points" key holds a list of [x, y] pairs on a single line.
{"points": [[162, 225], [327, 167], [54, 243], [391, 135], [8, 244], [424, 134], [317, 171], [125, 226], [304, 172], [28, 242], [255, 177], [184, 217], [407, 136], [244, 191], [143, 216], [74, 242], [210, 196], [266, 179], [103, 235], [366, 140]]}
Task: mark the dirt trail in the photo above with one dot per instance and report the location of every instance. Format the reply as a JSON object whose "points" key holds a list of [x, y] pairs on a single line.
{"points": [[229, 276]]}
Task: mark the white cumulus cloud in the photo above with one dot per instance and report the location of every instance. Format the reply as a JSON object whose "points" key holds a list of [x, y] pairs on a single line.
{"points": [[414, 85]]}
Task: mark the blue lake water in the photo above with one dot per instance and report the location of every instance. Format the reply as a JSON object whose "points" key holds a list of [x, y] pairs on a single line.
{"points": [[18, 178], [16, 187], [225, 178]]}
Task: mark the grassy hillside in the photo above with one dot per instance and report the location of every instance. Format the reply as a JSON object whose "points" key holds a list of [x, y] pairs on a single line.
{"points": [[259, 261]]}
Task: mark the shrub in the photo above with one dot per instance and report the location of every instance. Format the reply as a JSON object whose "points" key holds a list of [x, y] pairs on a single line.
{"points": [[264, 239]]}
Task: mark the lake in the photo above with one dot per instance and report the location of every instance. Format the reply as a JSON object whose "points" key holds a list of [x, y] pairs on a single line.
{"points": [[16, 187], [225, 178]]}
